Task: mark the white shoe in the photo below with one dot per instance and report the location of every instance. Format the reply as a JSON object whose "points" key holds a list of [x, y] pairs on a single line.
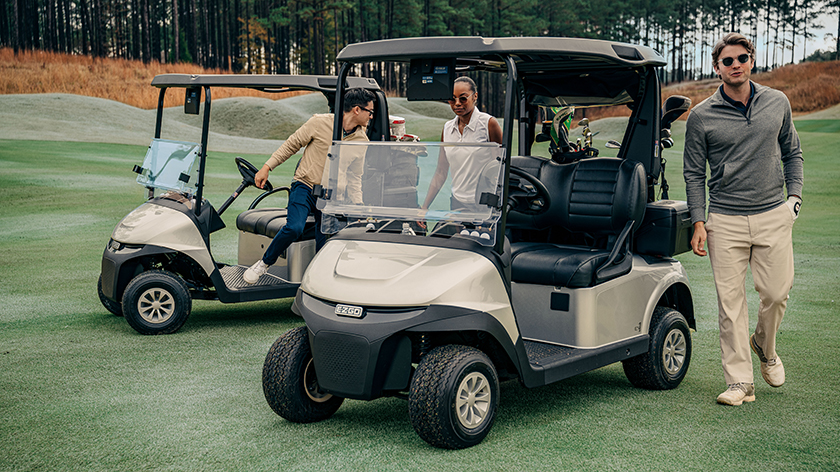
{"points": [[772, 370], [737, 394], [253, 274]]}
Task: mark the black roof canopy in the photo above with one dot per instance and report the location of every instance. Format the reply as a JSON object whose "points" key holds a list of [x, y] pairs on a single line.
{"points": [[553, 71], [529, 53], [263, 82]]}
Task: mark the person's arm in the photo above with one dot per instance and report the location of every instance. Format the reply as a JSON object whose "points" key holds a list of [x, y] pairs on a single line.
{"points": [[694, 167], [298, 140], [438, 179], [694, 172], [441, 171], [354, 179], [791, 155], [494, 130], [698, 239]]}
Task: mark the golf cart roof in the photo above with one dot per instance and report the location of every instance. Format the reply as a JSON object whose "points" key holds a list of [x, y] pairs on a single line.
{"points": [[541, 53], [263, 82]]}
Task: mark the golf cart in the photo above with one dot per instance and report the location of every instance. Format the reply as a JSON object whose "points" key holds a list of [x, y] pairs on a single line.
{"points": [[561, 265], [158, 258]]}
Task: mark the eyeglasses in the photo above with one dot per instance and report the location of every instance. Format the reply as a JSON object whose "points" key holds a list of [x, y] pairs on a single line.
{"points": [[728, 61], [369, 111], [462, 99]]}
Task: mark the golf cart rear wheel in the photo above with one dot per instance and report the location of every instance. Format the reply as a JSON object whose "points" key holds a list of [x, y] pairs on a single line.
{"points": [[453, 397], [110, 305], [665, 364], [290, 384], [156, 302]]}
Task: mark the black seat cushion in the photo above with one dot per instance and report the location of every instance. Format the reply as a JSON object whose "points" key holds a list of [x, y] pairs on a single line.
{"points": [[553, 264], [269, 221]]}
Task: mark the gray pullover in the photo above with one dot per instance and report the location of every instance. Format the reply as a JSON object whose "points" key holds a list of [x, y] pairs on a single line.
{"points": [[745, 155]]}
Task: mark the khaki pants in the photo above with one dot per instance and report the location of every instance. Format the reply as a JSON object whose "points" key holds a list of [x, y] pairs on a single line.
{"points": [[764, 243]]}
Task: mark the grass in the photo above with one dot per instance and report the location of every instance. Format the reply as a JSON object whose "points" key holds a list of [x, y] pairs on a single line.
{"points": [[81, 390], [123, 80]]}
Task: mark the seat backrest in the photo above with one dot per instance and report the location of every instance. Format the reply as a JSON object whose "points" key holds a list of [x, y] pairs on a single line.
{"points": [[602, 195], [556, 179]]}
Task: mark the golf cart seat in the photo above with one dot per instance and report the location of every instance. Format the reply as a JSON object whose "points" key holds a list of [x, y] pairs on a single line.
{"points": [[268, 222], [603, 197]]}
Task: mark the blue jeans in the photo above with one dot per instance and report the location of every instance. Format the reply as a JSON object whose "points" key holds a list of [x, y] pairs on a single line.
{"points": [[301, 205]]}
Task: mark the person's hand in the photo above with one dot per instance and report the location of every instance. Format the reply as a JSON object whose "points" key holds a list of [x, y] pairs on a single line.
{"points": [[794, 203], [261, 177], [698, 240]]}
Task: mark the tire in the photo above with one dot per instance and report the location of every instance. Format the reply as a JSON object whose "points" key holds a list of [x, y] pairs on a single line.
{"points": [[110, 305], [443, 380], [289, 382], [665, 364], [156, 302]]}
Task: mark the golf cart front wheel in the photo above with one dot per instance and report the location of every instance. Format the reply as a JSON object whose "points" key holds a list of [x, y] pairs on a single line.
{"points": [[110, 305], [665, 364], [453, 397], [156, 302], [290, 384]]}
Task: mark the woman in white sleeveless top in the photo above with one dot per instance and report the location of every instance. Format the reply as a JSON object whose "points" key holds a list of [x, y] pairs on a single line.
{"points": [[469, 126]]}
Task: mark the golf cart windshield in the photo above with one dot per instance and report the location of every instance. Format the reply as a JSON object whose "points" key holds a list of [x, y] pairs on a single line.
{"points": [[170, 165], [383, 185]]}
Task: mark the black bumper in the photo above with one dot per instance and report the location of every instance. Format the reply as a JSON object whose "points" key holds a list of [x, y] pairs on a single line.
{"points": [[367, 357]]}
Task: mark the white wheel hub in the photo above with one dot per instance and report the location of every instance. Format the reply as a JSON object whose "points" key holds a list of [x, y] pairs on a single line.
{"points": [[674, 351], [472, 400], [156, 305]]}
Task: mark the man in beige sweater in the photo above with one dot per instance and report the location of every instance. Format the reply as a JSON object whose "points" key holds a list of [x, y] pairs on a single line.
{"points": [[316, 137]]}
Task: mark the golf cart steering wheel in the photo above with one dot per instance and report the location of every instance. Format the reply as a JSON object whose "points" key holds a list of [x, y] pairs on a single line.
{"points": [[528, 200], [249, 173]]}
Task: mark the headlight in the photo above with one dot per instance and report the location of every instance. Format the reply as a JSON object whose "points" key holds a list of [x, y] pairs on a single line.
{"points": [[114, 245]]}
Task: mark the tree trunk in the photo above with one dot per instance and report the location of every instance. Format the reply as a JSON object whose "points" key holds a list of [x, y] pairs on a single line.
{"points": [[16, 26], [176, 34]]}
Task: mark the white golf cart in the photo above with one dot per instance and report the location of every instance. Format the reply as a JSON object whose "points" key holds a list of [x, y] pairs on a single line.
{"points": [[561, 264], [158, 258]]}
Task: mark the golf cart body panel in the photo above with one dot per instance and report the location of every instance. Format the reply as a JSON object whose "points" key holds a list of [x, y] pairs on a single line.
{"points": [[593, 317], [385, 274], [165, 227]]}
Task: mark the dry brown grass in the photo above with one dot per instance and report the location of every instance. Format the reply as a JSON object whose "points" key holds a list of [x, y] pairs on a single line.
{"points": [[115, 79], [810, 86]]}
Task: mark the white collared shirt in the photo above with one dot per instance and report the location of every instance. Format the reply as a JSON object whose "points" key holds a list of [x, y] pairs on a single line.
{"points": [[465, 171]]}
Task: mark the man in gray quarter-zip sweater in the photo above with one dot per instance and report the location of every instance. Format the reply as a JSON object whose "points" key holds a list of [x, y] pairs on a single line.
{"points": [[745, 132]]}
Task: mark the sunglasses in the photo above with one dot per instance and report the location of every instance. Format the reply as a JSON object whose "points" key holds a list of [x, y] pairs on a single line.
{"points": [[728, 61], [462, 99], [369, 111]]}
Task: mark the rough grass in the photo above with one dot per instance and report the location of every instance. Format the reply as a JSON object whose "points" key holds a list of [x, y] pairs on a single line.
{"points": [[81, 390], [123, 80], [810, 86]]}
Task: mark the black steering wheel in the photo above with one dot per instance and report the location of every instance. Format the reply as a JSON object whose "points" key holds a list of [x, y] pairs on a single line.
{"points": [[249, 173], [525, 199]]}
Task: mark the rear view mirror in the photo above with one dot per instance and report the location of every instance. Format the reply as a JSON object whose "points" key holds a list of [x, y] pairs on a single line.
{"points": [[431, 79], [192, 100]]}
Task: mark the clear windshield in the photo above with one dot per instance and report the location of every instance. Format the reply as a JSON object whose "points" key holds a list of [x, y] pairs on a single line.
{"points": [[386, 186], [170, 165]]}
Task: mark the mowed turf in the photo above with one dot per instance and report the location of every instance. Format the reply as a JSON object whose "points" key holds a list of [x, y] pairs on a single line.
{"points": [[80, 390]]}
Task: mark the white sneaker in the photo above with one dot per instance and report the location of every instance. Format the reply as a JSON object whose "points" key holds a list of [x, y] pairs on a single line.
{"points": [[253, 274], [737, 394], [772, 370]]}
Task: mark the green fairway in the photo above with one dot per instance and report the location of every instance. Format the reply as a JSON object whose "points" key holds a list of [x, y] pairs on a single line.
{"points": [[81, 390]]}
